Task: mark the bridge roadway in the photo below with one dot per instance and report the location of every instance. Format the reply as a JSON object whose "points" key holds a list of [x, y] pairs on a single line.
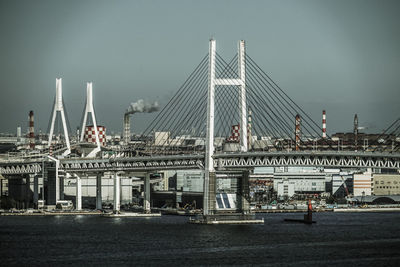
{"points": [[222, 161]]}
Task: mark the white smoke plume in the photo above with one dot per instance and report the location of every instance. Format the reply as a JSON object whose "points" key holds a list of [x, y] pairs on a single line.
{"points": [[142, 106]]}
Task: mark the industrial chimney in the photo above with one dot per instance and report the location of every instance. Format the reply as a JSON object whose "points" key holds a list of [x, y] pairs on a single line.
{"points": [[141, 106], [297, 131], [127, 129], [323, 124], [19, 134], [355, 132], [31, 131]]}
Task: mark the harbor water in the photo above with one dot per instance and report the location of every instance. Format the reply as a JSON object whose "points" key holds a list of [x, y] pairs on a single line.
{"points": [[337, 239]]}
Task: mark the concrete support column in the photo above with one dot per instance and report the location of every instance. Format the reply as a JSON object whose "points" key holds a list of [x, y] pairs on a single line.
{"points": [[98, 192], [53, 183], [78, 195], [146, 200], [211, 193], [244, 193], [44, 178], [61, 184], [117, 193], [57, 182], [27, 190], [35, 190]]}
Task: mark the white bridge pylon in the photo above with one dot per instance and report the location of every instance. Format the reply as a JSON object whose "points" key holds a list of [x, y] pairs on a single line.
{"points": [[89, 109], [212, 83], [59, 107]]}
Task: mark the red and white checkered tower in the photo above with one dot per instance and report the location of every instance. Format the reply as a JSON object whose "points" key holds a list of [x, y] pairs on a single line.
{"points": [[323, 124], [90, 134], [94, 129], [235, 134]]}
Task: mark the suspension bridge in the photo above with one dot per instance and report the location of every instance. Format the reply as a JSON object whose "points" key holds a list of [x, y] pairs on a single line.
{"points": [[227, 115]]}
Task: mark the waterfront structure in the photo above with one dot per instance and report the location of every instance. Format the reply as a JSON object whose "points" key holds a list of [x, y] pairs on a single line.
{"points": [[342, 184], [363, 183], [190, 180], [89, 190], [226, 202], [303, 182], [386, 184], [285, 188]]}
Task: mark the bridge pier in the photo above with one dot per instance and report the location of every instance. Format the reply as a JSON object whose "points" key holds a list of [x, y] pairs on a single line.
{"points": [[117, 193], [146, 199], [53, 183], [35, 190], [242, 214], [244, 194], [61, 185], [27, 190], [211, 197], [99, 205], [78, 195]]}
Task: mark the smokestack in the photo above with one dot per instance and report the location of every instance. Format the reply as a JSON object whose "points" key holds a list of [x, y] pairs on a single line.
{"points": [[297, 131], [31, 131], [323, 124], [355, 132], [249, 138], [18, 134], [127, 129], [140, 106]]}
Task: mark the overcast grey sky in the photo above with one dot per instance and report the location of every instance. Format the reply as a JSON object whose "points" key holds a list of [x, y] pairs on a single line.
{"points": [[342, 56]]}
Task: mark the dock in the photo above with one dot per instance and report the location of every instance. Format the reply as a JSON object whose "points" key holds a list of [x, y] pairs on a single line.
{"points": [[130, 214], [49, 213], [366, 210], [226, 219]]}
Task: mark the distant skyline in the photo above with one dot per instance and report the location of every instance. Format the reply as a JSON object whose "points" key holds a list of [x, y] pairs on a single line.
{"points": [[342, 56]]}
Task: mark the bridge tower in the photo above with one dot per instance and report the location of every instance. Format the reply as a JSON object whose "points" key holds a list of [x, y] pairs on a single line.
{"points": [[89, 109], [59, 107], [213, 81]]}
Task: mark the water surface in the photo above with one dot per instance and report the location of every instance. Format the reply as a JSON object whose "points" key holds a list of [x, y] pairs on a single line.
{"points": [[338, 239]]}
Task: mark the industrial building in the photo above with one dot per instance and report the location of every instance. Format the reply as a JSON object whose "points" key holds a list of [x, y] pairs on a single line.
{"points": [[190, 180], [342, 184], [363, 183], [304, 182], [3, 186], [285, 188], [386, 184]]}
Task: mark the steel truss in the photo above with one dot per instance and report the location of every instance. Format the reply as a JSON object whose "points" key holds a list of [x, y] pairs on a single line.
{"points": [[221, 161]]}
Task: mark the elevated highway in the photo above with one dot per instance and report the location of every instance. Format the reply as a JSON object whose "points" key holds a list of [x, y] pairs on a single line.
{"points": [[222, 161]]}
